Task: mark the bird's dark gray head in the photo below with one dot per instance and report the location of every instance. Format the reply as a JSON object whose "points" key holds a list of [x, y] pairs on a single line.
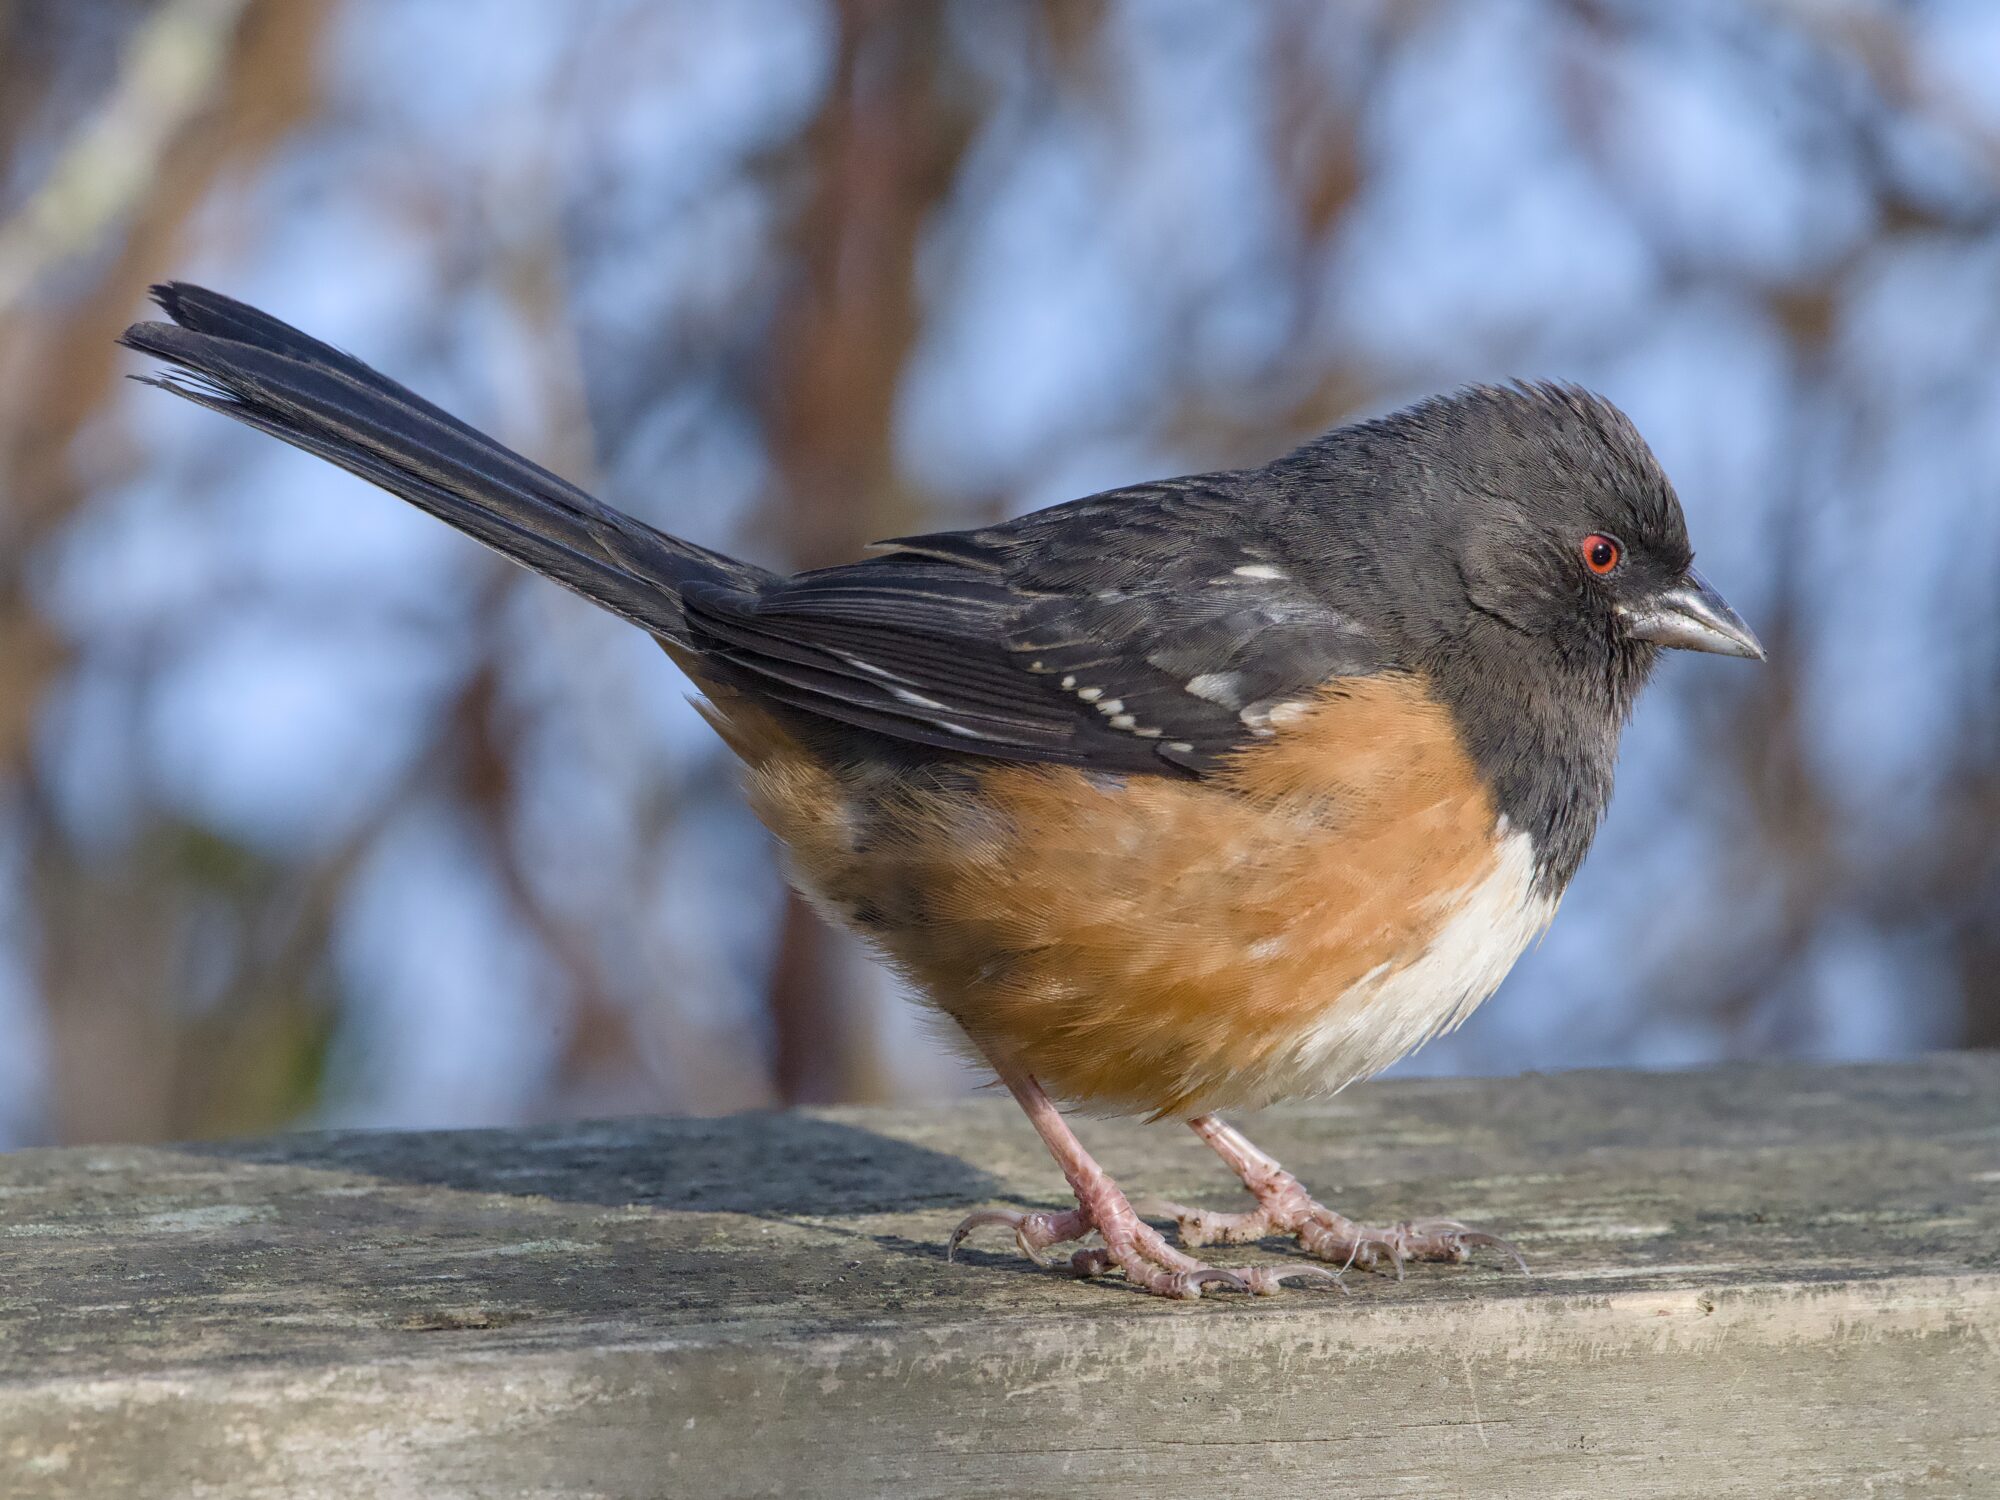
{"points": [[1524, 549], [1539, 507]]}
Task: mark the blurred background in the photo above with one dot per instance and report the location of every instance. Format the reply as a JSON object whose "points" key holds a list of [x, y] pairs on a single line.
{"points": [[313, 812]]}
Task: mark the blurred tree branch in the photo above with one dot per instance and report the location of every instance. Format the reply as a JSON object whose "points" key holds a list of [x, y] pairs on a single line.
{"points": [[205, 84], [880, 157], [172, 65]]}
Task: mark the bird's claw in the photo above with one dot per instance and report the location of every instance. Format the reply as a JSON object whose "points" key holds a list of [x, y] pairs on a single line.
{"points": [[1033, 1232]]}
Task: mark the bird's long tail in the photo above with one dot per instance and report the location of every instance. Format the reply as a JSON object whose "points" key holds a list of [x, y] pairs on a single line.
{"points": [[246, 364]]}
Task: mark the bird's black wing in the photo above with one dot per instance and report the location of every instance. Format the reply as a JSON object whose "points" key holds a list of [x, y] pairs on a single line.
{"points": [[1152, 629]]}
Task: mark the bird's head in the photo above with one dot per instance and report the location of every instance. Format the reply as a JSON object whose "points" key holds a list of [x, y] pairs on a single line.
{"points": [[1539, 509]]}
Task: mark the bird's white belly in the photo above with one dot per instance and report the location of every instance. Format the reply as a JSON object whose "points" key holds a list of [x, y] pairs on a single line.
{"points": [[1395, 1009]]}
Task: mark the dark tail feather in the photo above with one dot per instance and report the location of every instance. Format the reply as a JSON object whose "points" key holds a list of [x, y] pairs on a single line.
{"points": [[248, 365]]}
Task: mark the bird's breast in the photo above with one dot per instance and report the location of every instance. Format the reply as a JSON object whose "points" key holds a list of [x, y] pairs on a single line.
{"points": [[1343, 891]]}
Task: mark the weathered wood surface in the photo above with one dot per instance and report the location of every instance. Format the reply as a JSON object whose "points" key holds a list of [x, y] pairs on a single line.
{"points": [[1757, 1282]]}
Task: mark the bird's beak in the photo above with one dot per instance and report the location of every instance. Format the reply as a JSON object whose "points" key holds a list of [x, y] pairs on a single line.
{"points": [[1692, 616]]}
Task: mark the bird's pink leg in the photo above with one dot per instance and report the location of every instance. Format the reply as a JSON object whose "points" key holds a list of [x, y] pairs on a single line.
{"points": [[1285, 1207], [1130, 1244]]}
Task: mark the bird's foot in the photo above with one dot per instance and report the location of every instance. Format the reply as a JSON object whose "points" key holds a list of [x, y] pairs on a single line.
{"points": [[1284, 1207], [1130, 1245], [1329, 1236]]}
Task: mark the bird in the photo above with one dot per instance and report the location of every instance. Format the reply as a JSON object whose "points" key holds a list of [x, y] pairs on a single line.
{"points": [[1184, 798]]}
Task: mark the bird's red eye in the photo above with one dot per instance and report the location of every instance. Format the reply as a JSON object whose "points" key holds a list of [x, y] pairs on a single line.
{"points": [[1602, 554]]}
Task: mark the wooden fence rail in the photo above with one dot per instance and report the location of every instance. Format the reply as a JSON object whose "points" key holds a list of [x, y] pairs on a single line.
{"points": [[1752, 1281]]}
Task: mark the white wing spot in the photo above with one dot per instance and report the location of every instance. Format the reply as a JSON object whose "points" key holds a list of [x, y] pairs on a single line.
{"points": [[1111, 706], [1217, 687], [1090, 695], [1069, 684], [1123, 721], [1258, 570]]}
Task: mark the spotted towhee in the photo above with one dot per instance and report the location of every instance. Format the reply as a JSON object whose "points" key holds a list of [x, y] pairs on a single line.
{"points": [[1195, 795]]}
